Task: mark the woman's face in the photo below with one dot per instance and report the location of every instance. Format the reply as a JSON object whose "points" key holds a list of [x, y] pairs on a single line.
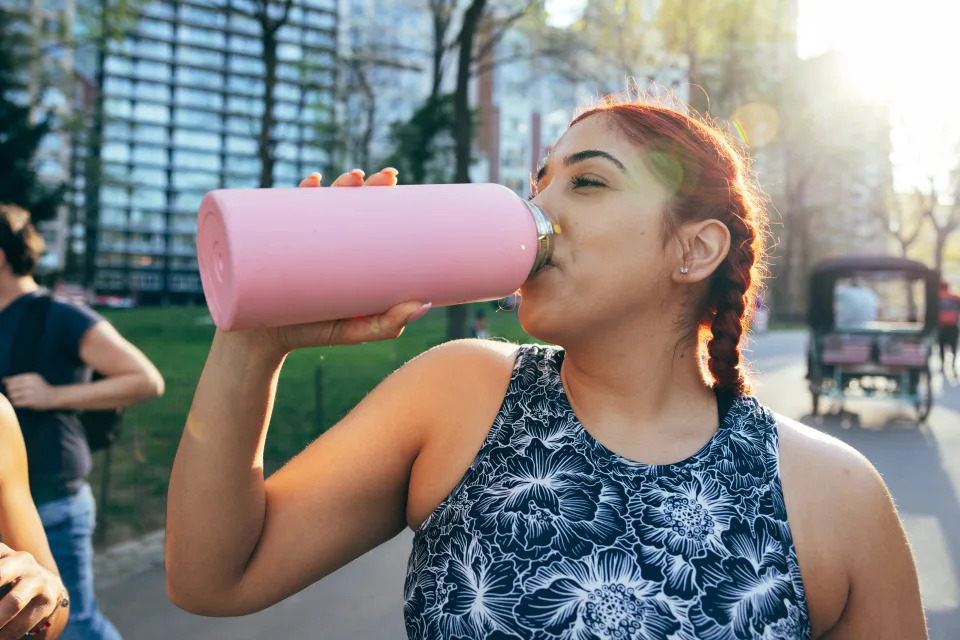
{"points": [[610, 265]]}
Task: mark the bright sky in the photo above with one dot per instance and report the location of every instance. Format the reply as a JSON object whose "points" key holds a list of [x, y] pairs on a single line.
{"points": [[907, 51]]}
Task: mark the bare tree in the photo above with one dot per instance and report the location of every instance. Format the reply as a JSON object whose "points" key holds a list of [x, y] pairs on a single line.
{"points": [[945, 220], [903, 218]]}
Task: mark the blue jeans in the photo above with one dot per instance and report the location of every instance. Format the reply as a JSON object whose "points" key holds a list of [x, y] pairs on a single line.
{"points": [[69, 524]]}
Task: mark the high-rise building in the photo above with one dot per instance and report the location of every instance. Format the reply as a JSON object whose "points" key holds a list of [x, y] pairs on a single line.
{"points": [[183, 99]]}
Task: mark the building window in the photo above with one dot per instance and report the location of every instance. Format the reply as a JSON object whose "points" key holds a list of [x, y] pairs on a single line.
{"points": [[114, 108], [243, 64], [115, 152], [152, 92], [202, 37], [246, 145], [148, 177], [207, 79], [153, 70], [197, 139], [185, 282], [196, 98], [117, 65], [150, 134], [154, 49], [199, 57], [197, 119], [151, 197], [195, 160], [148, 112]]}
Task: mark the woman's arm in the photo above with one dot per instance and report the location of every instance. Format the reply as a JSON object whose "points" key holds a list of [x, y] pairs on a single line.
{"points": [[25, 554], [237, 543], [884, 597], [857, 566], [129, 377]]}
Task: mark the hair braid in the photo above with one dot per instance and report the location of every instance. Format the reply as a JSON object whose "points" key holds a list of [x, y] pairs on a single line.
{"points": [[728, 297]]}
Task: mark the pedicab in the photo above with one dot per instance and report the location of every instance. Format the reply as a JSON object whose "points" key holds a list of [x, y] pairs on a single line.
{"points": [[873, 326]]}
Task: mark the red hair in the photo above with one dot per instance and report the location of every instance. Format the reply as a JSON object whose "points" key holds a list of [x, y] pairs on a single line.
{"points": [[710, 180]]}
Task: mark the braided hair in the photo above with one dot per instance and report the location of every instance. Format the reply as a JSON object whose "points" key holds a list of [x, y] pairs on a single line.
{"points": [[709, 179]]}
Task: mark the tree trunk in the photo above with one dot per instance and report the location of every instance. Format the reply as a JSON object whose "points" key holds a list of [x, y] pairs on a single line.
{"points": [[463, 129], [939, 249], [267, 120], [463, 133]]}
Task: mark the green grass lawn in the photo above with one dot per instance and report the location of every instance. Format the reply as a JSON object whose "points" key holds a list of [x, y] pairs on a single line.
{"points": [[177, 340]]}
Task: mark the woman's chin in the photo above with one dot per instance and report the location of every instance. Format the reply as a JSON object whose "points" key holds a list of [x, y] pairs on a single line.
{"points": [[536, 320]]}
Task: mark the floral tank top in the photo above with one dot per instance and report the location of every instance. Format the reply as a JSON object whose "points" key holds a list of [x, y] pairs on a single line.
{"points": [[551, 535]]}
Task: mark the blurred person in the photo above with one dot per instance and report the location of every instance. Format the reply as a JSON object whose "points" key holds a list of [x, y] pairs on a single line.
{"points": [[34, 602], [949, 328], [479, 329], [73, 341], [622, 484], [857, 305], [761, 316]]}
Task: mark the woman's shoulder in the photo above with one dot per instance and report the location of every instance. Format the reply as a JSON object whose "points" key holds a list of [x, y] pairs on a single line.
{"points": [[838, 507], [825, 463]]}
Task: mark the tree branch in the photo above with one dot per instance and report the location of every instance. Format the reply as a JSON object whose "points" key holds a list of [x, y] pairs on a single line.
{"points": [[483, 68], [502, 27]]}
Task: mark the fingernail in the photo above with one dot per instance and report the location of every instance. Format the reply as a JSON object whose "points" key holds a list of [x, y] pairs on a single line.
{"points": [[357, 173], [419, 313], [389, 170], [316, 177]]}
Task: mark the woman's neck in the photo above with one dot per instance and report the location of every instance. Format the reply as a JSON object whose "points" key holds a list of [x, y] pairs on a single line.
{"points": [[12, 287], [644, 387]]}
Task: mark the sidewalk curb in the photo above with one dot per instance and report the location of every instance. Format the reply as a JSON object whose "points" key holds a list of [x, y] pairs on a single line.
{"points": [[127, 559]]}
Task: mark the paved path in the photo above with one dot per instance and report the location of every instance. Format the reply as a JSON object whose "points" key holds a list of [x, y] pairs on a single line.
{"points": [[363, 600]]}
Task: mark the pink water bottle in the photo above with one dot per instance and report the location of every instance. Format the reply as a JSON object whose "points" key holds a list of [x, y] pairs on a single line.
{"points": [[274, 257]]}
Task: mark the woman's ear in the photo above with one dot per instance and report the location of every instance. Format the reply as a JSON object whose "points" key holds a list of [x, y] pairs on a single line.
{"points": [[703, 246]]}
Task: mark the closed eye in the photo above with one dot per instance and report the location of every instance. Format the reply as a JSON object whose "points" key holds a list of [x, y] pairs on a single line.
{"points": [[583, 181]]}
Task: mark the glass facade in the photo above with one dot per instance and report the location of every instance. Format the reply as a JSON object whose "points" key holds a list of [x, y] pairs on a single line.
{"points": [[183, 102]]}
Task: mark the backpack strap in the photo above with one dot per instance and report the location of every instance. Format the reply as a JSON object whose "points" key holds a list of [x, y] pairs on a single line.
{"points": [[26, 341]]}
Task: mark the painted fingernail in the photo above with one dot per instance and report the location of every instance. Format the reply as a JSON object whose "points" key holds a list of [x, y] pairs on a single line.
{"points": [[389, 170], [357, 173], [419, 313]]}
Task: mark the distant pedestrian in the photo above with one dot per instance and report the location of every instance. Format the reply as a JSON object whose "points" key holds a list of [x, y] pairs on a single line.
{"points": [[72, 341], [479, 329], [949, 329]]}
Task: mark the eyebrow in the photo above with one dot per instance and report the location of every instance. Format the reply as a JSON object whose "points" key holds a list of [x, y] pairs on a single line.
{"points": [[580, 156]]}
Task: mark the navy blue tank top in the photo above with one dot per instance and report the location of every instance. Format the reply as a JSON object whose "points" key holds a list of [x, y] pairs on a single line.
{"points": [[551, 535]]}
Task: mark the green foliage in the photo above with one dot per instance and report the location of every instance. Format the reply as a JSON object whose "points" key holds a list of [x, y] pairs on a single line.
{"points": [[20, 137], [419, 151]]}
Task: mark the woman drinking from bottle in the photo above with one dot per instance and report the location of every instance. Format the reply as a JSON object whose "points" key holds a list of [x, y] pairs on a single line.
{"points": [[622, 484]]}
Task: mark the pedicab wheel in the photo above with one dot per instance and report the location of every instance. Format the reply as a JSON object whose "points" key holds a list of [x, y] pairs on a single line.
{"points": [[924, 391]]}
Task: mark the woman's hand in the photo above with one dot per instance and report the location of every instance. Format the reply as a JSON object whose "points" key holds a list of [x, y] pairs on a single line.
{"points": [[34, 596], [388, 325]]}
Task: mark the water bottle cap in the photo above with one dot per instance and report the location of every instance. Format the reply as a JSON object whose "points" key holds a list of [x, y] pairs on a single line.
{"points": [[545, 231]]}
